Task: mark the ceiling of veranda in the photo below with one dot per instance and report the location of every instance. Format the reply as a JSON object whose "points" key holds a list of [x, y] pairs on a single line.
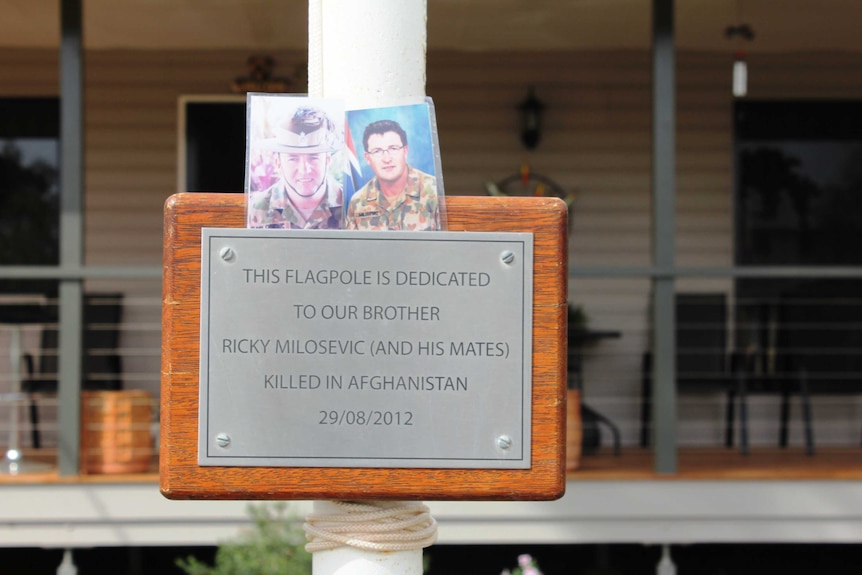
{"points": [[780, 25]]}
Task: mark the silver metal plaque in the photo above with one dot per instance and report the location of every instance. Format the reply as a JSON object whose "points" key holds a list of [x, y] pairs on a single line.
{"points": [[366, 349]]}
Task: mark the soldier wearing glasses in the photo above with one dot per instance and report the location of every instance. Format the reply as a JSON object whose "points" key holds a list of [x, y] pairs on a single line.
{"points": [[398, 197]]}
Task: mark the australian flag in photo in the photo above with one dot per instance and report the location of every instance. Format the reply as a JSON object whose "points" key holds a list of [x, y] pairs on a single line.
{"points": [[353, 179]]}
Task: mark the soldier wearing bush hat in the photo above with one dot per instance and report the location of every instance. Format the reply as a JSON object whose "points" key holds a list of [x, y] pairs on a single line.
{"points": [[305, 196]]}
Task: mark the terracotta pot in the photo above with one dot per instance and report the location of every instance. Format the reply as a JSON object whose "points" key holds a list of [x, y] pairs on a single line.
{"points": [[573, 429], [115, 431]]}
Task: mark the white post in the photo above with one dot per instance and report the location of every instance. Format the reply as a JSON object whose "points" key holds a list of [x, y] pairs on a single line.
{"points": [[369, 538], [351, 561], [67, 567], [665, 565], [368, 53]]}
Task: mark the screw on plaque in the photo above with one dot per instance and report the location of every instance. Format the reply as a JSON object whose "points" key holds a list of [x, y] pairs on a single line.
{"points": [[223, 439], [507, 257], [504, 442], [227, 253]]}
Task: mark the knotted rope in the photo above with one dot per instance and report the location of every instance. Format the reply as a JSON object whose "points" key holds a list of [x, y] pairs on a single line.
{"points": [[372, 526]]}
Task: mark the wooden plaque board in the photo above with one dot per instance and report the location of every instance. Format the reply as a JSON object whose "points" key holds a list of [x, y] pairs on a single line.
{"points": [[182, 478]]}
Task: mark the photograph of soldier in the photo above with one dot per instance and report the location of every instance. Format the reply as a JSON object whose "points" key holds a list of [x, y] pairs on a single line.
{"points": [[403, 192], [294, 170]]}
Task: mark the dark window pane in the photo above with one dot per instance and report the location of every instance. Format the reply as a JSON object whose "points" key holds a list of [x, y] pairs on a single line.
{"points": [[799, 202], [215, 146], [29, 186], [799, 177]]}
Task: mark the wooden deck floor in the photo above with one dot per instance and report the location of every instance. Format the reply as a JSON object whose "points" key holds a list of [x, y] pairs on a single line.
{"points": [[633, 464], [726, 464]]}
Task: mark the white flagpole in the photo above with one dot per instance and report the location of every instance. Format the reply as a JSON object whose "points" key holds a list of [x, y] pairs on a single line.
{"points": [[368, 53]]}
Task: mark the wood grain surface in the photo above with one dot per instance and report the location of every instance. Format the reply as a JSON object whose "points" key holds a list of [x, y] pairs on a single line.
{"points": [[182, 478]]}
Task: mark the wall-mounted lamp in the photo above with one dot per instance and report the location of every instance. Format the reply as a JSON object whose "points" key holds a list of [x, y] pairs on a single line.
{"points": [[531, 120], [740, 74], [740, 33]]}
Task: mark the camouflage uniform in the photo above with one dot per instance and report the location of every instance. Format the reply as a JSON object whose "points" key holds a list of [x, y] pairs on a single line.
{"points": [[272, 208], [416, 208]]}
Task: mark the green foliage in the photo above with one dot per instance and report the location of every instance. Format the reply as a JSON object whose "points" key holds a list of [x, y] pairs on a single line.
{"points": [[275, 545]]}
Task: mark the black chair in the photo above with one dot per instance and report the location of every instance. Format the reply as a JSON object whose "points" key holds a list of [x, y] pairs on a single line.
{"points": [[591, 438], [811, 342], [26, 313], [102, 367], [591, 433], [703, 363]]}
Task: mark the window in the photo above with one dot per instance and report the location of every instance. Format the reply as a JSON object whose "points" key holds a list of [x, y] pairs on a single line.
{"points": [[799, 203], [212, 143], [29, 186], [799, 168]]}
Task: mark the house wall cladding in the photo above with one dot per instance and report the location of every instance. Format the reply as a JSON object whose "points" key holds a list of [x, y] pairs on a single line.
{"points": [[596, 141]]}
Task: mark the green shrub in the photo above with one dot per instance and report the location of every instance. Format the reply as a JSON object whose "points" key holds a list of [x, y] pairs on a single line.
{"points": [[275, 545]]}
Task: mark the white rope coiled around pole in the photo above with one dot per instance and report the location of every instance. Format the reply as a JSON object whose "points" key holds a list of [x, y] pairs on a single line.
{"points": [[372, 526]]}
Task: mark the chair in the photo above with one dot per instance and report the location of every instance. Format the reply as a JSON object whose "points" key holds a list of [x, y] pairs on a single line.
{"points": [[16, 311], [101, 361], [811, 343], [591, 436], [703, 363]]}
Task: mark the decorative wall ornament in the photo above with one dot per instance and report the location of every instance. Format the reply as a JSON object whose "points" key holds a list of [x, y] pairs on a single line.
{"points": [[260, 77], [526, 182], [529, 183]]}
